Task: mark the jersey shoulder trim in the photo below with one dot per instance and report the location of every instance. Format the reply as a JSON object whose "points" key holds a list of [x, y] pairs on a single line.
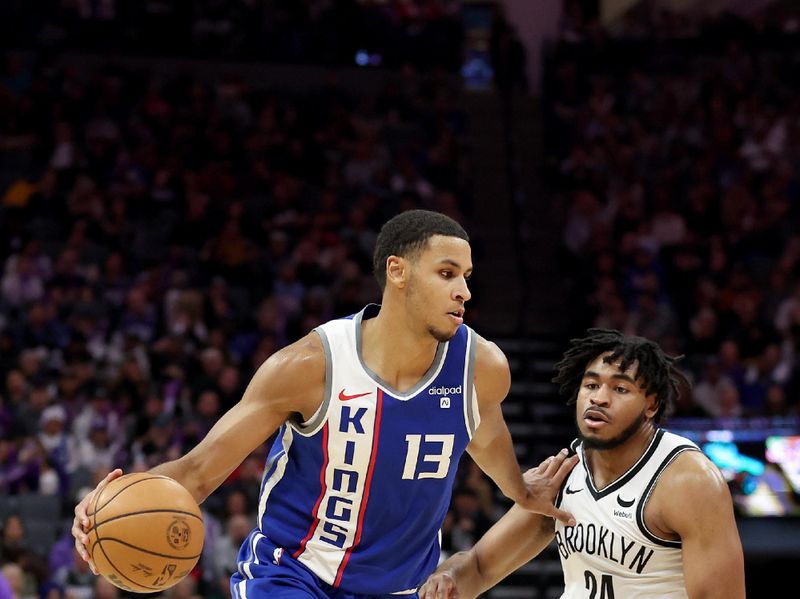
{"points": [[648, 491], [471, 413], [313, 424]]}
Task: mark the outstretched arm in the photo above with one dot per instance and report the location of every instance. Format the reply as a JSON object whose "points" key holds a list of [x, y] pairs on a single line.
{"points": [[289, 382], [518, 537], [699, 509], [491, 445]]}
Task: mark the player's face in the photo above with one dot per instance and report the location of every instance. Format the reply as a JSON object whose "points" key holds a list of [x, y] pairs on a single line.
{"points": [[437, 286], [611, 406]]}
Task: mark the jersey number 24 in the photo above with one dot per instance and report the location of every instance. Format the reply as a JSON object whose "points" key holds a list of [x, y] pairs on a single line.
{"points": [[606, 585]]}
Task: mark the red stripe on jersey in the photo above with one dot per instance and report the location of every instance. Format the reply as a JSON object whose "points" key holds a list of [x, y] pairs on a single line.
{"points": [[322, 492], [367, 485]]}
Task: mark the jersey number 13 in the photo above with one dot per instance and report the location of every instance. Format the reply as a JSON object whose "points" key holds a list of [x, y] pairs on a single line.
{"points": [[440, 455]]}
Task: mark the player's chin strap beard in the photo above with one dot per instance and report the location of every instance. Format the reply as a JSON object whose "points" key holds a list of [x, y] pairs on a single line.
{"points": [[625, 435]]}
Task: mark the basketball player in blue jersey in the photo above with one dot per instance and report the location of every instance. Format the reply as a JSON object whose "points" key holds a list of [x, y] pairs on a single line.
{"points": [[372, 414], [654, 515]]}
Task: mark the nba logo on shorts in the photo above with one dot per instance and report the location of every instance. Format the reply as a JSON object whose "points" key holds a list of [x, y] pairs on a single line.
{"points": [[444, 402]]}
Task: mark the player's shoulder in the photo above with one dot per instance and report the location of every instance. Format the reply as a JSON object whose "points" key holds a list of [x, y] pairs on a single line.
{"points": [[691, 490], [691, 477], [298, 361], [492, 374], [488, 355], [293, 378]]}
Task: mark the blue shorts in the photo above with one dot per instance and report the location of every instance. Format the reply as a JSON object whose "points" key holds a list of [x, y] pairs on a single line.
{"points": [[288, 579]]}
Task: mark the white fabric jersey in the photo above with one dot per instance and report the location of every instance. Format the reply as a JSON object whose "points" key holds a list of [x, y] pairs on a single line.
{"points": [[610, 553]]}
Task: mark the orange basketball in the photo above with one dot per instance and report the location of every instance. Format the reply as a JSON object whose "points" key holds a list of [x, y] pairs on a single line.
{"points": [[146, 532]]}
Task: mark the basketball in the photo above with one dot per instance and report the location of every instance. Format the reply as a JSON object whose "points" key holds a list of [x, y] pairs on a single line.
{"points": [[146, 532]]}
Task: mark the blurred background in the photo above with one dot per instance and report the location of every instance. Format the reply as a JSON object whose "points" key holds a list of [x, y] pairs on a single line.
{"points": [[188, 186]]}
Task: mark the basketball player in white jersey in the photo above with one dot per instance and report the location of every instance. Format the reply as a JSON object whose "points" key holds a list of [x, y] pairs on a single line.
{"points": [[654, 515], [372, 414]]}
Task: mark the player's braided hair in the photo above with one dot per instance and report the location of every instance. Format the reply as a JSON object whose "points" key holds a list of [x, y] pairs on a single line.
{"points": [[408, 233], [656, 372]]}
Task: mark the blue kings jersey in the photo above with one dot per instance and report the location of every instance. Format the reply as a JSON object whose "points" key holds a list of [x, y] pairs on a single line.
{"points": [[358, 492]]}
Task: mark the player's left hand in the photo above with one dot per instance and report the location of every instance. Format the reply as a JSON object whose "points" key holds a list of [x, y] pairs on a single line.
{"points": [[439, 586], [542, 484]]}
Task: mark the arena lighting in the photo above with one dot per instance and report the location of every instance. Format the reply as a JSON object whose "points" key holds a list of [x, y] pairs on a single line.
{"points": [[364, 59], [727, 457], [759, 457]]}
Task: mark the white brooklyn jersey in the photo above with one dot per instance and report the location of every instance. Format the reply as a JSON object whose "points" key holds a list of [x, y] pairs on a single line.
{"points": [[610, 553]]}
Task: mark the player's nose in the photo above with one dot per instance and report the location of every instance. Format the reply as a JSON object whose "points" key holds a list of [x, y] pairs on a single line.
{"points": [[462, 292], [600, 396]]}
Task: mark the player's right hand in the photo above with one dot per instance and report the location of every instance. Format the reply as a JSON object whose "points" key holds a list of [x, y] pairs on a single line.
{"points": [[440, 585], [81, 522]]}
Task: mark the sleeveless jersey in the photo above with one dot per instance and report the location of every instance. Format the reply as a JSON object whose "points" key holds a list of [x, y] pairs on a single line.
{"points": [[358, 492], [610, 552]]}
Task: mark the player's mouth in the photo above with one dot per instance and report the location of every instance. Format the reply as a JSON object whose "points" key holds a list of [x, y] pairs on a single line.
{"points": [[595, 418], [457, 316]]}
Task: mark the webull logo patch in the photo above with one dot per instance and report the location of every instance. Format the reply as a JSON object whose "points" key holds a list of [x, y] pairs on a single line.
{"points": [[445, 390]]}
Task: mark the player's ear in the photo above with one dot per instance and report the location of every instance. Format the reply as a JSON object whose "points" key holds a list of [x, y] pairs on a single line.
{"points": [[652, 405], [397, 271]]}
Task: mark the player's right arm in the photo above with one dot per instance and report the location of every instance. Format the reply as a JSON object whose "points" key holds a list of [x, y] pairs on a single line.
{"points": [[513, 541], [290, 382], [491, 447]]}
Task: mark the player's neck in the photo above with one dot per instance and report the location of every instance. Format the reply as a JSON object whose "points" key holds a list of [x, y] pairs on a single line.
{"points": [[607, 465], [395, 351]]}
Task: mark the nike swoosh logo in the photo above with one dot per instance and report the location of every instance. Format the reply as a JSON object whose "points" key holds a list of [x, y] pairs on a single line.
{"points": [[345, 397], [624, 503], [573, 491]]}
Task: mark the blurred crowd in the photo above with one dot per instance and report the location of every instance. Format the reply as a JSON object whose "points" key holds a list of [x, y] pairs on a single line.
{"points": [[691, 22], [161, 237], [332, 32], [678, 168]]}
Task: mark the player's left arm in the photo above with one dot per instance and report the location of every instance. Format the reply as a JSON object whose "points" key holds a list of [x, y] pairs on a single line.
{"points": [[491, 445], [513, 541], [697, 506]]}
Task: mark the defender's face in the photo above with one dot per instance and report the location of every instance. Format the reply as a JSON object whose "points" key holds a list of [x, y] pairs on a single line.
{"points": [[437, 285], [611, 406]]}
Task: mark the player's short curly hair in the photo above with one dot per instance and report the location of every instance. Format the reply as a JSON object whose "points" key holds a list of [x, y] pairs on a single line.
{"points": [[656, 372], [408, 233]]}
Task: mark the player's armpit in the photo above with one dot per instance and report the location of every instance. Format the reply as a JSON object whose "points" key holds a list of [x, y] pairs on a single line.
{"points": [[290, 382], [694, 502]]}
